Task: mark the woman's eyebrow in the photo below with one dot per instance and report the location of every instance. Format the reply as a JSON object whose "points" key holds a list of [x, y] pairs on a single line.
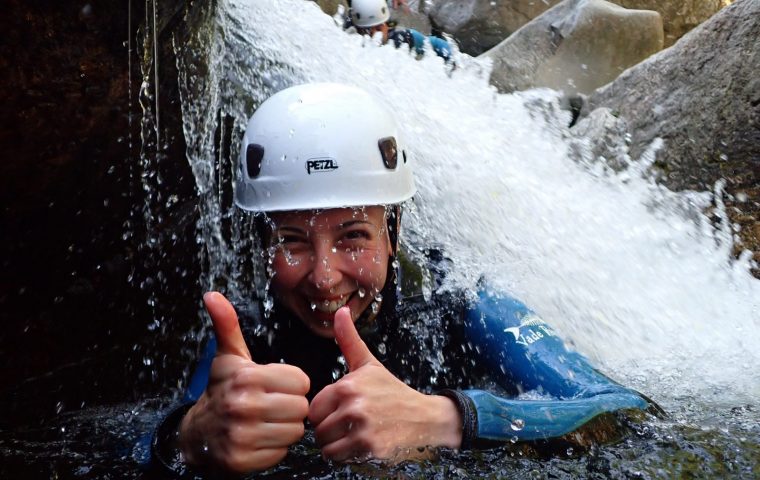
{"points": [[352, 223], [290, 229]]}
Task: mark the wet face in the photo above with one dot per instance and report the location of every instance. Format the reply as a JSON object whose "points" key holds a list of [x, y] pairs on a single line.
{"points": [[326, 259]]}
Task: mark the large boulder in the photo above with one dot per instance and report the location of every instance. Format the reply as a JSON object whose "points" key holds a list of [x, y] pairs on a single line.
{"points": [[678, 16], [413, 16], [331, 7], [479, 25], [576, 46], [702, 98]]}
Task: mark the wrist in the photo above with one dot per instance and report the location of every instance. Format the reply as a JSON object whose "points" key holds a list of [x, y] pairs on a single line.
{"points": [[449, 422], [165, 451], [468, 416], [190, 444]]}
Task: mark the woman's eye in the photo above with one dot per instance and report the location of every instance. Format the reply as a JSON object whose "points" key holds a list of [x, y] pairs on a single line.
{"points": [[290, 239], [356, 235]]}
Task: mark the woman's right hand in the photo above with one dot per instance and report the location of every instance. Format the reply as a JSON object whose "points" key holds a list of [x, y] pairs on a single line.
{"points": [[249, 413]]}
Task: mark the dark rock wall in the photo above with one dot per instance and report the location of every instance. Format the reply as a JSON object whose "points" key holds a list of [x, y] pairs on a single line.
{"points": [[73, 297]]}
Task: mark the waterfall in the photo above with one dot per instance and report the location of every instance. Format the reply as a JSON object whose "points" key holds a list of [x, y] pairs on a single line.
{"points": [[633, 275]]}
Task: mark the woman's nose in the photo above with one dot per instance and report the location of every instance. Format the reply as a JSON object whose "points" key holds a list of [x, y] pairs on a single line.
{"points": [[326, 273]]}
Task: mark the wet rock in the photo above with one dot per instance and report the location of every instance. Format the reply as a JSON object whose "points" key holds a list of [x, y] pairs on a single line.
{"points": [[702, 97], [412, 17], [576, 46], [71, 183], [678, 16], [479, 25], [330, 7]]}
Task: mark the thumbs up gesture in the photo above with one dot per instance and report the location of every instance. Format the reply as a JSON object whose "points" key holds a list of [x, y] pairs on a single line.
{"points": [[249, 414], [369, 413]]}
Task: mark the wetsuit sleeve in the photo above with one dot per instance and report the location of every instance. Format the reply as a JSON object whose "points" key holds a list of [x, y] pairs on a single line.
{"points": [[523, 353], [199, 380], [441, 47], [164, 453], [416, 41]]}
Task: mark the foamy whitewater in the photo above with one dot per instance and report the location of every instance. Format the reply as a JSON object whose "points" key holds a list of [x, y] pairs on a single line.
{"points": [[632, 275]]}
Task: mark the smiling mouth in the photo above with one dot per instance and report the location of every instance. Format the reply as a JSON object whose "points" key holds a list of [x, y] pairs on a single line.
{"points": [[329, 306]]}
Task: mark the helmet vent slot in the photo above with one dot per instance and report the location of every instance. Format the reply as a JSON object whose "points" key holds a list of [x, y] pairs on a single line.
{"points": [[389, 152], [253, 155]]}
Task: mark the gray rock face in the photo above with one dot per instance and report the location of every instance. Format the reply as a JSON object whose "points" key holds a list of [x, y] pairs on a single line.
{"points": [[702, 97], [576, 46], [412, 17], [479, 25], [331, 6], [678, 16]]}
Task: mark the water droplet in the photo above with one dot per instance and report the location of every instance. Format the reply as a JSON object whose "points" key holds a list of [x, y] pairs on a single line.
{"points": [[361, 293], [313, 306], [569, 451], [517, 424], [378, 298], [334, 250]]}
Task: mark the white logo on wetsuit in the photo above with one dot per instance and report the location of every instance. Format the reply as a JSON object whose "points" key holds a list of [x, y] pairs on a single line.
{"points": [[539, 330]]}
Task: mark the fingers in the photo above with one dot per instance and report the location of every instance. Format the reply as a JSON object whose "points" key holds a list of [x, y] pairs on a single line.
{"points": [[265, 435], [283, 378], [268, 384], [322, 405], [351, 344], [344, 449], [246, 461], [331, 429], [229, 338]]}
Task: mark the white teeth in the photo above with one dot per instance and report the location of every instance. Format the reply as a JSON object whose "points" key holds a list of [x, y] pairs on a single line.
{"points": [[329, 306]]}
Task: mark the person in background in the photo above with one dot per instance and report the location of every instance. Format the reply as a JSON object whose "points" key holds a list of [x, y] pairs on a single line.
{"points": [[370, 17], [345, 338]]}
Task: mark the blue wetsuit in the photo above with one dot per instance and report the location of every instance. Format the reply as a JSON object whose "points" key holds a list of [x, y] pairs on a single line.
{"points": [[481, 352], [416, 41]]}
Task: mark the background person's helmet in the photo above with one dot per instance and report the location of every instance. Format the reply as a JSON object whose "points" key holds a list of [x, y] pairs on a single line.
{"points": [[321, 145], [368, 13]]}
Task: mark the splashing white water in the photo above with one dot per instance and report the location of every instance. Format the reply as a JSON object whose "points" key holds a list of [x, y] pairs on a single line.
{"points": [[631, 274]]}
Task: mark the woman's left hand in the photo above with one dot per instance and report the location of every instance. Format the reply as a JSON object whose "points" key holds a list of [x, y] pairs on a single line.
{"points": [[369, 413]]}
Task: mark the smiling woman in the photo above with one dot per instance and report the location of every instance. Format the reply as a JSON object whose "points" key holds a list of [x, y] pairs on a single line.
{"points": [[445, 370], [327, 259]]}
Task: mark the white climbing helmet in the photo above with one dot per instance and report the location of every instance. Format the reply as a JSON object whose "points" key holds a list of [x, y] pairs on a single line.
{"points": [[368, 13], [321, 145]]}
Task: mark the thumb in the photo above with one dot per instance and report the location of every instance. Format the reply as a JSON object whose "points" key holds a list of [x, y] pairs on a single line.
{"points": [[351, 344], [229, 338]]}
